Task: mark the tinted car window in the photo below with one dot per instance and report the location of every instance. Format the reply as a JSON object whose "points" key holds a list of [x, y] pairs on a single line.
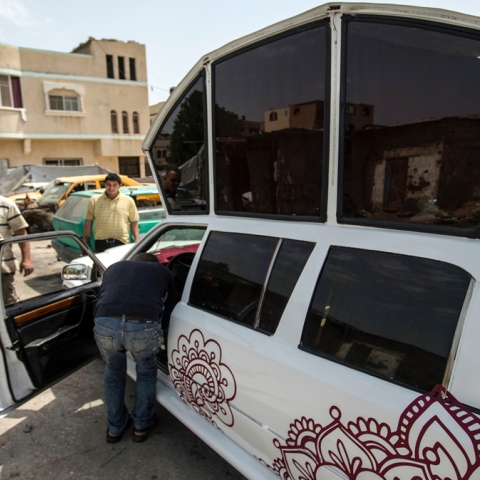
{"points": [[390, 315], [269, 123], [412, 123], [233, 270], [181, 143], [288, 266]]}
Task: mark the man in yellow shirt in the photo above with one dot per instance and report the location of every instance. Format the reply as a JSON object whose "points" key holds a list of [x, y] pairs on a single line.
{"points": [[114, 213]]}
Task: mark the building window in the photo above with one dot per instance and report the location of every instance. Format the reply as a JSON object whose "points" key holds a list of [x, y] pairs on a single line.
{"points": [[67, 103], [125, 122], [133, 69], [121, 68], [136, 123], [114, 121], [273, 116], [63, 162], [63, 99], [10, 92], [110, 73]]}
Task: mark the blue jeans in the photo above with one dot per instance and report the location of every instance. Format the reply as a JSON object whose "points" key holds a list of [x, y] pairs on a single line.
{"points": [[114, 337]]}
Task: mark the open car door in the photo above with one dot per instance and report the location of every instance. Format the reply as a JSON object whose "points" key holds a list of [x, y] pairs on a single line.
{"points": [[47, 331]]}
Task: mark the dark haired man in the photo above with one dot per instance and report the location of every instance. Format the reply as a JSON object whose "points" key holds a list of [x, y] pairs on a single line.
{"points": [[134, 304], [171, 182], [114, 213]]}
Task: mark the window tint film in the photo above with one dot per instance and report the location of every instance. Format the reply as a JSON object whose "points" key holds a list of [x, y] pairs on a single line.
{"points": [[231, 273], [289, 264], [269, 122], [233, 270], [180, 143], [391, 315], [412, 123]]}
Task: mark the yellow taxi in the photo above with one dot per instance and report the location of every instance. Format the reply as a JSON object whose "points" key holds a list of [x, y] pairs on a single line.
{"points": [[58, 190]]}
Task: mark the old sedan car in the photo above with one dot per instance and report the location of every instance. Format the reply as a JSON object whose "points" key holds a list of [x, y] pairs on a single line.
{"points": [[58, 190], [328, 325], [71, 216]]}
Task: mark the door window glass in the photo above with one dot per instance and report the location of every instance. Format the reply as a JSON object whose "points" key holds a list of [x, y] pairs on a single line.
{"points": [[233, 271], [412, 123], [291, 259], [390, 315], [269, 123], [180, 143], [46, 278]]}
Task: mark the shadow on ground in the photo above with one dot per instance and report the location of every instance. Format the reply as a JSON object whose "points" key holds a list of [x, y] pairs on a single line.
{"points": [[60, 434]]}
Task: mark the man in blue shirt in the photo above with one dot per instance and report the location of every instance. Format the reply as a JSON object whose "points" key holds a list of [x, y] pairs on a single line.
{"points": [[135, 300]]}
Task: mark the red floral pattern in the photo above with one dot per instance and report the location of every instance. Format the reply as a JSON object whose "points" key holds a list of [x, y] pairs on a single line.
{"points": [[436, 439], [201, 379]]}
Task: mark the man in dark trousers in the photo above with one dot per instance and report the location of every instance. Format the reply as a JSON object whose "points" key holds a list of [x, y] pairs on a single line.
{"points": [[136, 298]]}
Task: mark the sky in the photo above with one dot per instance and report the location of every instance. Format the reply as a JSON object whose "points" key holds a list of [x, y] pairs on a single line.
{"points": [[176, 33]]}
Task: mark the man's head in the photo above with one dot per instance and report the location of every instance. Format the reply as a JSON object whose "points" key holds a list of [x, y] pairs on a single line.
{"points": [[112, 185], [145, 257], [172, 179]]}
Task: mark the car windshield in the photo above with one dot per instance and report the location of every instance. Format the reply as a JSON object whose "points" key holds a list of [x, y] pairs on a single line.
{"points": [[178, 237], [54, 191]]}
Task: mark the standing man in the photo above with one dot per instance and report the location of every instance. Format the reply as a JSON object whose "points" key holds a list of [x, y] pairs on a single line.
{"points": [[12, 223], [135, 301], [171, 182], [115, 214]]}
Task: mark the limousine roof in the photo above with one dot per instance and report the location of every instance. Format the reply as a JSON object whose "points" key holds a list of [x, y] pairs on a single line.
{"points": [[318, 13]]}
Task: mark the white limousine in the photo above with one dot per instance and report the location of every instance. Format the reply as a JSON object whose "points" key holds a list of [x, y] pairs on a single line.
{"points": [[327, 323]]}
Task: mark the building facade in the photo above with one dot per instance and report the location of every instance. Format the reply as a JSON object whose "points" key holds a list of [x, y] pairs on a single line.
{"points": [[80, 108]]}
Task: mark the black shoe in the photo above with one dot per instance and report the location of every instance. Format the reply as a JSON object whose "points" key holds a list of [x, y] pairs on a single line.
{"points": [[116, 438], [139, 436]]}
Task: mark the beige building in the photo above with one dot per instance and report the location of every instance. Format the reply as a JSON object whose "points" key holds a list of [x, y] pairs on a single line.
{"points": [[80, 108]]}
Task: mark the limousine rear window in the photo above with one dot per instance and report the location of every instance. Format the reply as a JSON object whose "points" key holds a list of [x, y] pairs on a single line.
{"points": [[269, 127], [390, 315], [411, 127], [248, 278]]}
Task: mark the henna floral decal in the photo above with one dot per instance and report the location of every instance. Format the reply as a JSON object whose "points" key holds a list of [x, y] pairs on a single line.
{"points": [[436, 439], [201, 379]]}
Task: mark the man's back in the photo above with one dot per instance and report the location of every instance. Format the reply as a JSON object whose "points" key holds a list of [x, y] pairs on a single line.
{"points": [[136, 288]]}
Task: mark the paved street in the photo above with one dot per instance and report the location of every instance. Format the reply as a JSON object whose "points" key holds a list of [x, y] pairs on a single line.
{"points": [[60, 435]]}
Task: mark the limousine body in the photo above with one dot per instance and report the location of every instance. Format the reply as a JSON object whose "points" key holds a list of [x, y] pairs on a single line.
{"points": [[328, 324]]}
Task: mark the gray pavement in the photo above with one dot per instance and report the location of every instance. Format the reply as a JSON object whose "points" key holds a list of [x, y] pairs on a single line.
{"points": [[60, 435]]}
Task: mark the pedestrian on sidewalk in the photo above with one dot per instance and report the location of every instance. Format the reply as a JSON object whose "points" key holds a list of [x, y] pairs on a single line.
{"points": [[135, 300]]}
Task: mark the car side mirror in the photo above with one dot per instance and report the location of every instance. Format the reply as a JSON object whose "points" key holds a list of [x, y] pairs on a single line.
{"points": [[75, 271]]}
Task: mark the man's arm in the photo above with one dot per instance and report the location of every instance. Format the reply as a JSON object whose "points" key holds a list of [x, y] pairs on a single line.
{"points": [[26, 265], [134, 229], [87, 230]]}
